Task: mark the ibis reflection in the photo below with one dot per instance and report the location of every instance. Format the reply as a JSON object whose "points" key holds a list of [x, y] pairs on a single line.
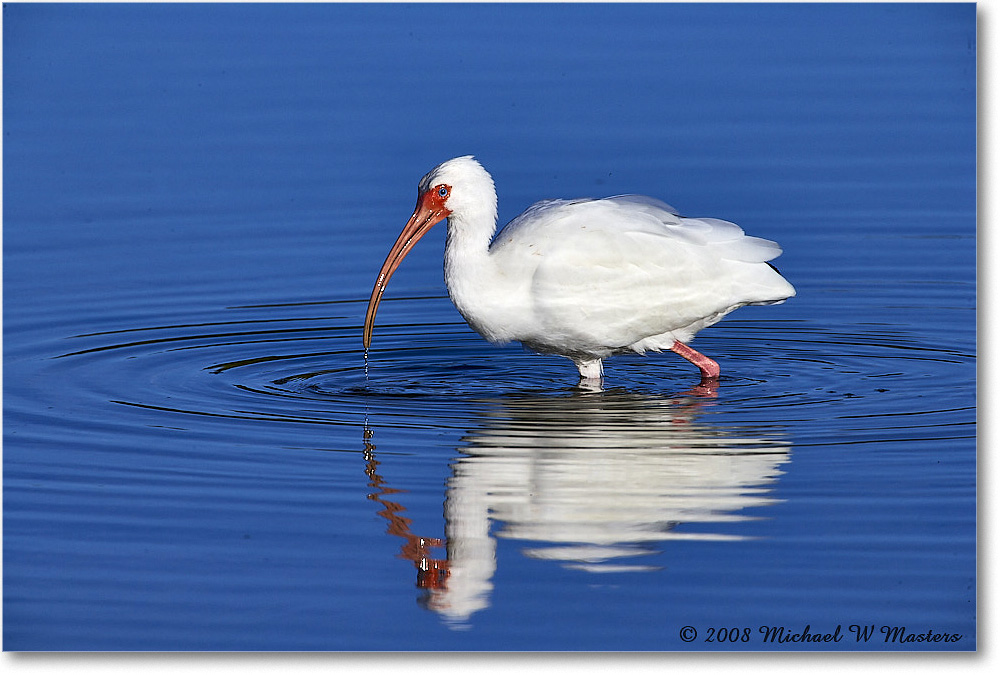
{"points": [[597, 482]]}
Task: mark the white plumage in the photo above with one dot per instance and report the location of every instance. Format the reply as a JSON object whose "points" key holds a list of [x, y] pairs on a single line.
{"points": [[586, 278]]}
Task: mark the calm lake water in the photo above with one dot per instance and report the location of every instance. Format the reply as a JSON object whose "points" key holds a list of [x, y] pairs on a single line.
{"points": [[196, 201]]}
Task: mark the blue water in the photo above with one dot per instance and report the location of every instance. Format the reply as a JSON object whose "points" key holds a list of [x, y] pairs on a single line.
{"points": [[197, 198]]}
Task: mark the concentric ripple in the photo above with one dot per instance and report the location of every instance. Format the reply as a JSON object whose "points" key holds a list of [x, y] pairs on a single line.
{"points": [[302, 363]]}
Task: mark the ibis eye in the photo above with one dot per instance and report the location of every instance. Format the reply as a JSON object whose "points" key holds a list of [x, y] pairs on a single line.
{"points": [[443, 191]]}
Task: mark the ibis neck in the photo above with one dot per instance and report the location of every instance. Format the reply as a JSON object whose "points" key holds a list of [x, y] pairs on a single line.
{"points": [[469, 270]]}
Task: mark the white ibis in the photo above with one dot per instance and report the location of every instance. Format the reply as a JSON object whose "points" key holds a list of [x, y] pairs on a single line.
{"points": [[585, 278]]}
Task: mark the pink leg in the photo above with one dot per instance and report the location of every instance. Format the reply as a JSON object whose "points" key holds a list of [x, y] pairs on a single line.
{"points": [[709, 368]]}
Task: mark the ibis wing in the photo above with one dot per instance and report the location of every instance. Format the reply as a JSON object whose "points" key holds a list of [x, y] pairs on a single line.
{"points": [[636, 213], [728, 239], [613, 272], [612, 291]]}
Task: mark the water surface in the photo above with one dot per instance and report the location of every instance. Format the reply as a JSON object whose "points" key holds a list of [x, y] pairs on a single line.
{"points": [[197, 199]]}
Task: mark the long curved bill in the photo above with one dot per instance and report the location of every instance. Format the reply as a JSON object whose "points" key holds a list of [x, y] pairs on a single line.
{"points": [[425, 216]]}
